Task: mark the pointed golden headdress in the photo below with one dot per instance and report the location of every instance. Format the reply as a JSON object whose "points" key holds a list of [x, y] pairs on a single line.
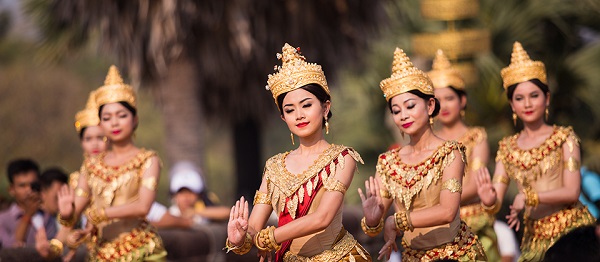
{"points": [[294, 73], [442, 73], [405, 77], [522, 68], [114, 90], [89, 115]]}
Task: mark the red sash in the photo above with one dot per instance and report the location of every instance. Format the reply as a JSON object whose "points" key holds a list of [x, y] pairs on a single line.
{"points": [[285, 217]]}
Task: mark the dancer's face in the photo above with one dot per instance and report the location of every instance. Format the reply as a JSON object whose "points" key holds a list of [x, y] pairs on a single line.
{"points": [[411, 113], [117, 122], [304, 113], [92, 140], [450, 105], [529, 102]]}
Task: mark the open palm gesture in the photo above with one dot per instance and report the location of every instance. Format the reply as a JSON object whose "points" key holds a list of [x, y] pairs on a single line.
{"points": [[372, 203], [66, 198], [485, 189], [238, 222]]}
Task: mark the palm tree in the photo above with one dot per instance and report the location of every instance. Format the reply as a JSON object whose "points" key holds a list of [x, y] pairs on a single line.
{"points": [[208, 60]]}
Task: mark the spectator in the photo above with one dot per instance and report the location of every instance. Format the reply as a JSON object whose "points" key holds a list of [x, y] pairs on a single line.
{"points": [[190, 197], [23, 177], [507, 242]]}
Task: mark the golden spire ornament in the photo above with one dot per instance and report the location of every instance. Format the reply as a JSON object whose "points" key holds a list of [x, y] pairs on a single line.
{"points": [[443, 74], [405, 77], [522, 68], [89, 115], [115, 90], [294, 73]]}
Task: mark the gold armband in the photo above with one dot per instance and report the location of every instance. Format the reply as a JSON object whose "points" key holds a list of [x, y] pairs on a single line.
{"points": [[265, 240], [81, 193], [333, 184], [241, 249], [501, 179], [149, 183], [402, 219], [371, 231], [96, 215], [56, 248], [531, 197], [261, 198], [453, 185], [476, 164], [385, 194], [66, 222], [572, 164]]}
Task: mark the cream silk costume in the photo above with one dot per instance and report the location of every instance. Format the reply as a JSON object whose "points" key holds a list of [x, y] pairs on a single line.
{"points": [[124, 239], [541, 168], [480, 221], [287, 193], [415, 187]]}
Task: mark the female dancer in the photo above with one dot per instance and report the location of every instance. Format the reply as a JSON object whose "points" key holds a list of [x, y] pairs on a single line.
{"points": [[118, 186], [305, 186], [542, 159], [449, 89], [423, 178]]}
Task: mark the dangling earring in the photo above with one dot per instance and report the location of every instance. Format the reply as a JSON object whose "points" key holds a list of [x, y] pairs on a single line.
{"points": [[104, 139], [462, 113], [514, 119], [326, 126], [431, 121], [292, 137], [547, 114]]}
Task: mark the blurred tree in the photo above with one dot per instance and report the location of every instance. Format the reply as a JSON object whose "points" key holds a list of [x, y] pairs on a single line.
{"points": [[209, 60]]}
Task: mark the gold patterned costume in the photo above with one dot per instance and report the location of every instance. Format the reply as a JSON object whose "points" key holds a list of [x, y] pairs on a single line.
{"points": [[287, 193], [415, 187], [479, 220], [541, 168], [124, 239]]}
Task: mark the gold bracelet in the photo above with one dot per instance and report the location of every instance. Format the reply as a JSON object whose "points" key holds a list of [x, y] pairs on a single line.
{"points": [[56, 248], [240, 250], [66, 222], [531, 197], [402, 221], [266, 237], [491, 209], [97, 215], [371, 231]]}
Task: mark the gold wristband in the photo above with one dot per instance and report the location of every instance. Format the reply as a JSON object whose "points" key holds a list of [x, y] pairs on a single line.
{"points": [[56, 248], [402, 220], [371, 231], [240, 250], [531, 197], [265, 240], [491, 209], [97, 216], [66, 222]]}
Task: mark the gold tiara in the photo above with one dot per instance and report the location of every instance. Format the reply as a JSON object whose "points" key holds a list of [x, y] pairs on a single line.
{"points": [[114, 90], [89, 115], [522, 68], [443, 74], [294, 73], [405, 77]]}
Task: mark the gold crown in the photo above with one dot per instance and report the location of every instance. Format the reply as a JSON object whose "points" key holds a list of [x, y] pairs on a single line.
{"points": [[294, 73], [522, 68], [114, 90], [89, 115], [443, 74], [405, 77]]}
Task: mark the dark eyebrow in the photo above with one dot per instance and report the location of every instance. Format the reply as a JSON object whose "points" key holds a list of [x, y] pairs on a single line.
{"points": [[301, 101]]}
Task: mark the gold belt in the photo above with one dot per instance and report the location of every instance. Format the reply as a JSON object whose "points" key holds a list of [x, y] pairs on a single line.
{"points": [[343, 245], [550, 226]]}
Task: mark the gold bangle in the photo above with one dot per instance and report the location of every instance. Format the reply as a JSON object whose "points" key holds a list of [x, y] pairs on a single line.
{"points": [[531, 197], [56, 248], [266, 237], [491, 209], [97, 216], [240, 250], [371, 231], [402, 221], [66, 222]]}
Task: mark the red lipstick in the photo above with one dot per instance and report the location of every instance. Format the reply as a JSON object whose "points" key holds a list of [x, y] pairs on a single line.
{"points": [[303, 124], [407, 125]]}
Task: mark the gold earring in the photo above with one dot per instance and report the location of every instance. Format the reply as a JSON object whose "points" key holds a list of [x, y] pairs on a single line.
{"points": [[431, 121], [462, 113], [104, 139], [292, 137], [547, 113], [326, 126], [514, 119]]}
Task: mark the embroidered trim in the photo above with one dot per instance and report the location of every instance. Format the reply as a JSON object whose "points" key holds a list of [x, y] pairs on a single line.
{"points": [[453, 185]]}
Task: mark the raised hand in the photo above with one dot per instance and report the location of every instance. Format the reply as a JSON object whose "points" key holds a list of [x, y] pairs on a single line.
{"points": [[389, 236], [515, 209], [485, 189], [66, 204], [238, 222], [372, 203]]}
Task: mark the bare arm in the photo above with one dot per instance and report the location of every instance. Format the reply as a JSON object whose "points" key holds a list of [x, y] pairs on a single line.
{"points": [[479, 159], [569, 192], [214, 212], [141, 206], [325, 212]]}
